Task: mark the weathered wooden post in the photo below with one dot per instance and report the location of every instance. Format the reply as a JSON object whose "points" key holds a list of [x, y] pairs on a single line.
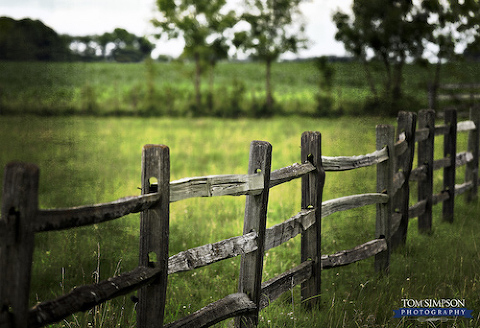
{"points": [[426, 120], [450, 152], [251, 267], [471, 172], [385, 135], [406, 123], [154, 234], [312, 190], [19, 209]]}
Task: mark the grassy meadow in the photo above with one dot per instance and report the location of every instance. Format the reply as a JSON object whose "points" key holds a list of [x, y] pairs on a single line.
{"points": [[88, 159], [166, 89]]}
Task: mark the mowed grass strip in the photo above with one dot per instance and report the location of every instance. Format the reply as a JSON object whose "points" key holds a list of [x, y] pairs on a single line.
{"points": [[86, 160]]}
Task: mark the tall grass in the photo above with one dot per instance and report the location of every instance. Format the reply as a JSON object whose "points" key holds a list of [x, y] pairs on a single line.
{"points": [[85, 160], [166, 89]]}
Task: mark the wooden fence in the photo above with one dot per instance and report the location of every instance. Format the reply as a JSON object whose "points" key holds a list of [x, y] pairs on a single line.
{"points": [[393, 157], [458, 96]]}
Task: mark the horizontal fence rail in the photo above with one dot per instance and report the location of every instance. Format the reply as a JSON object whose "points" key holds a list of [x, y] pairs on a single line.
{"points": [[461, 95], [344, 163], [393, 158]]}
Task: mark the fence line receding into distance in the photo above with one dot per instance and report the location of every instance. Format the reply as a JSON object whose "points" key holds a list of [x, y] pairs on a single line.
{"points": [[393, 158]]}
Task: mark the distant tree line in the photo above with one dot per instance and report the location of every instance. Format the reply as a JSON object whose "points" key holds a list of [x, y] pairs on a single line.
{"points": [[31, 40]]}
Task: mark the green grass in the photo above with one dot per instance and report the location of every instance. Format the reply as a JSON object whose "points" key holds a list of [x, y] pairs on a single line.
{"points": [[166, 89], [85, 160]]}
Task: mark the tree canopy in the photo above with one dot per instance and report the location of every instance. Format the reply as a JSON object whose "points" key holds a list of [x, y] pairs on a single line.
{"points": [[394, 32], [203, 25], [119, 45], [31, 40], [28, 40]]}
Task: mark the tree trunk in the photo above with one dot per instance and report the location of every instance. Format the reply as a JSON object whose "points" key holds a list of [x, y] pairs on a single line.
{"points": [[388, 74], [370, 82], [269, 100], [210, 85], [397, 81], [434, 86], [198, 72]]}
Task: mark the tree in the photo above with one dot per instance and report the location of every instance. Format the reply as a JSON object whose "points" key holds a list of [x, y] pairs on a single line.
{"points": [[395, 31], [28, 39], [202, 24], [390, 31], [274, 28], [120, 45], [456, 23]]}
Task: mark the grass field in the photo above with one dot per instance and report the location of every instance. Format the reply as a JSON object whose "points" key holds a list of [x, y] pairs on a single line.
{"points": [[85, 160], [166, 89]]}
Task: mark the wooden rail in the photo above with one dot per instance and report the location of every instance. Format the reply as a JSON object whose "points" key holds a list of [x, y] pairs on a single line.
{"points": [[460, 95], [393, 158]]}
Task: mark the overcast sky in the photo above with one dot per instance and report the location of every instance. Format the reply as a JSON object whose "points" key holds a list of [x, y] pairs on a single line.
{"points": [[86, 17]]}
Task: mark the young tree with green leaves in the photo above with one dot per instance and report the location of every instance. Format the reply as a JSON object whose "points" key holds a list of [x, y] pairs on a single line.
{"points": [[390, 32], [275, 27], [456, 23], [202, 24], [395, 31]]}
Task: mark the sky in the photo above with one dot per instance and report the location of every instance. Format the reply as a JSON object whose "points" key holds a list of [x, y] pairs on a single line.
{"points": [[88, 17]]}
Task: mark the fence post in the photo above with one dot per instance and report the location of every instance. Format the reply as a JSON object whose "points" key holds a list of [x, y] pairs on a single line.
{"points": [[385, 135], [450, 151], [406, 123], [154, 233], [471, 172], [426, 119], [19, 208], [312, 189], [251, 267]]}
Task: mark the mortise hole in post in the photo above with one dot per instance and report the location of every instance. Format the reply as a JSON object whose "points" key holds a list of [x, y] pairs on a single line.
{"points": [[310, 158], [152, 184], [13, 213], [258, 171]]}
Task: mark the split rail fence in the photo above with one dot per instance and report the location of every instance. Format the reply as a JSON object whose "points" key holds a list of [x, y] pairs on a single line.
{"points": [[393, 157], [459, 95]]}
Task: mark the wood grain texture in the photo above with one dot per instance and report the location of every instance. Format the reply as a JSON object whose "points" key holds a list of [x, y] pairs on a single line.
{"points": [[255, 220], [426, 120], [449, 172], [289, 173], [154, 235], [207, 254], [344, 163], [312, 191], [385, 137], [406, 125], [216, 185], [275, 287], [349, 202], [358, 253], [283, 232], [228, 307], [86, 297], [59, 219], [19, 208]]}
